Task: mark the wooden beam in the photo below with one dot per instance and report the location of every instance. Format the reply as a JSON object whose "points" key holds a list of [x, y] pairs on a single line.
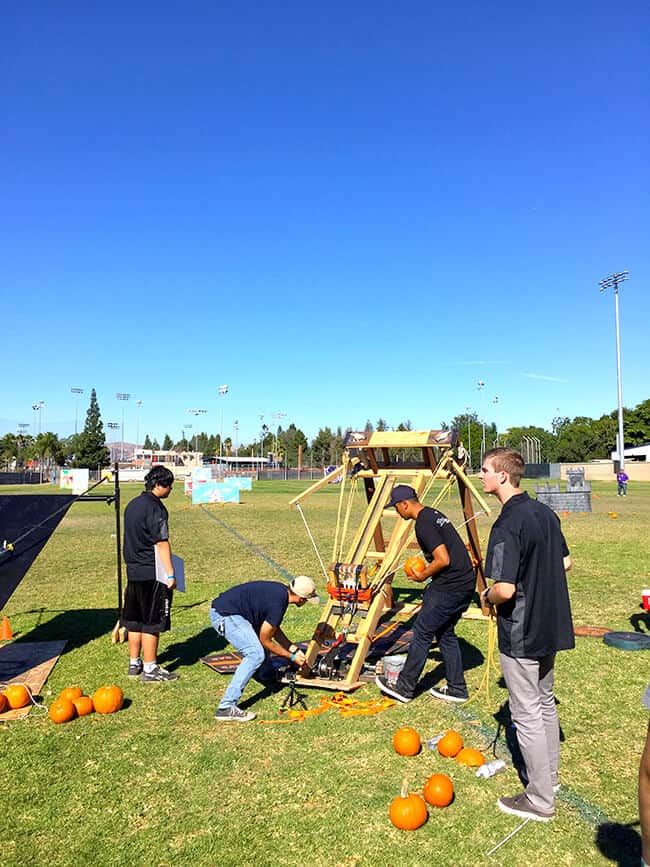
{"points": [[321, 483]]}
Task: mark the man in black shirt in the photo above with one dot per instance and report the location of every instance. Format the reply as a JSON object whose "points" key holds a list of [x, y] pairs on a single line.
{"points": [[527, 558], [147, 601], [444, 600]]}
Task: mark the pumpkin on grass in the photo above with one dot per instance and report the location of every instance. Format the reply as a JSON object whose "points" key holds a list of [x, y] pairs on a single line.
{"points": [[450, 744], [413, 563], [4, 704], [471, 758], [108, 699], [438, 790], [71, 692], [83, 705], [17, 695], [406, 742], [62, 710], [408, 811]]}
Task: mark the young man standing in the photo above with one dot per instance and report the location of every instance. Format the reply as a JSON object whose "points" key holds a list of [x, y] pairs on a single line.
{"points": [[147, 602], [444, 600], [248, 616], [527, 558]]}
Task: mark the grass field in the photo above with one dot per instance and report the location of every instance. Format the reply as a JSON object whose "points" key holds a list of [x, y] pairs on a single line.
{"points": [[160, 783]]}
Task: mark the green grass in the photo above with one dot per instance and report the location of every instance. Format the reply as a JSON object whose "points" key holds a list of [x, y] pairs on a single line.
{"points": [[161, 783]]}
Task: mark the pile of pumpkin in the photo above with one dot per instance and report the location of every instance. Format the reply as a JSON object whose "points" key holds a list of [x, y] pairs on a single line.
{"points": [[14, 696], [409, 811], [72, 702]]}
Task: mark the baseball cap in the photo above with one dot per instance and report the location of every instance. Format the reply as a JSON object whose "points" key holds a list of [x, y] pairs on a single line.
{"points": [[399, 493], [304, 587]]}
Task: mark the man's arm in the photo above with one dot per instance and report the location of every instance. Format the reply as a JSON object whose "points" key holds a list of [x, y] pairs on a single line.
{"points": [[439, 562], [164, 550], [275, 641], [499, 592]]}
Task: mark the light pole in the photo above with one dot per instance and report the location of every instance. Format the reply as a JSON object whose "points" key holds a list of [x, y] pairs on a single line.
{"points": [[196, 412], [183, 429], [138, 403], [612, 282], [113, 425], [495, 401], [262, 426], [276, 417], [481, 385], [469, 436], [38, 407], [223, 391], [123, 397], [76, 391]]}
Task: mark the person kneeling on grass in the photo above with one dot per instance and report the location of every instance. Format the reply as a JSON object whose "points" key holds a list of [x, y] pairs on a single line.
{"points": [[248, 616]]}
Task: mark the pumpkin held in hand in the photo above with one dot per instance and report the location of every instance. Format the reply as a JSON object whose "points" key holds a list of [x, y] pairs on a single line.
{"points": [[413, 563], [62, 710], [83, 705], [407, 811], [438, 790], [108, 699], [71, 692], [17, 695], [471, 758], [406, 742], [450, 745]]}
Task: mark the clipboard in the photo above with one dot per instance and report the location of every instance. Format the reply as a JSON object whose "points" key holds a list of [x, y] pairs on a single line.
{"points": [[179, 571]]}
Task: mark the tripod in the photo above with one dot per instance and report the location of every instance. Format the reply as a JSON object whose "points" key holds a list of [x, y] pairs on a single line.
{"points": [[293, 697]]}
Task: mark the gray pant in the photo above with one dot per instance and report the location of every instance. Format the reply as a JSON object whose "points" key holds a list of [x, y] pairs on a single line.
{"points": [[533, 710]]}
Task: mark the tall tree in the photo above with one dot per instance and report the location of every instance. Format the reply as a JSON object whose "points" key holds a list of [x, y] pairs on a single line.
{"points": [[168, 445], [155, 445], [92, 451], [147, 443]]}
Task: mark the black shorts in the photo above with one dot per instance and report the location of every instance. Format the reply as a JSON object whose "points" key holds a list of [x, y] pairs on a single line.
{"points": [[147, 607]]}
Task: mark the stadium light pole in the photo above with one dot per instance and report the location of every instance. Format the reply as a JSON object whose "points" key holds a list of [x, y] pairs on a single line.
{"points": [[121, 395], [277, 416], [481, 385], [469, 437], [223, 391], [235, 425], [138, 403], [495, 401], [76, 391], [196, 412], [112, 425], [612, 282]]}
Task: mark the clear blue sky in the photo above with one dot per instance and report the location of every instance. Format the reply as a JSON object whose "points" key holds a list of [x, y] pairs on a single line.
{"points": [[344, 211]]}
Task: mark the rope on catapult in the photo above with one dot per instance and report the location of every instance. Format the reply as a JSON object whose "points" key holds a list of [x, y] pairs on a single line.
{"points": [[313, 541]]}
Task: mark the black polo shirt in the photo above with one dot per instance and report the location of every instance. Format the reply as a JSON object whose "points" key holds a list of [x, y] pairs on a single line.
{"points": [[527, 549], [433, 529], [145, 523]]}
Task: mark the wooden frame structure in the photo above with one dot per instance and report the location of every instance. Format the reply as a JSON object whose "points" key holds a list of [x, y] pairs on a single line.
{"points": [[381, 460]]}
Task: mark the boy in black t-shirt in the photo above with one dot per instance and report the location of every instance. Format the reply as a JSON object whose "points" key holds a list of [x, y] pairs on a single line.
{"points": [[147, 602], [444, 600]]}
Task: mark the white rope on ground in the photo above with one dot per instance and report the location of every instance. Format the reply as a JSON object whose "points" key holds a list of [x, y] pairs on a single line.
{"points": [[510, 835], [320, 560]]}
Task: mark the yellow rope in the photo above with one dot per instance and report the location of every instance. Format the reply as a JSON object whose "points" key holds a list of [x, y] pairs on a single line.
{"points": [[490, 663], [348, 512], [338, 514]]}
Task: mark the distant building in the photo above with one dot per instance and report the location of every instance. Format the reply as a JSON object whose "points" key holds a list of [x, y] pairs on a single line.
{"points": [[634, 453]]}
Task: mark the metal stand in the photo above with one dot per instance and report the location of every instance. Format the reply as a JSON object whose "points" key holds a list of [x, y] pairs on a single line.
{"points": [[293, 697]]}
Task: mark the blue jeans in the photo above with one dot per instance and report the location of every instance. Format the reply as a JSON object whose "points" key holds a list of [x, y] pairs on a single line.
{"points": [[441, 610], [255, 663]]}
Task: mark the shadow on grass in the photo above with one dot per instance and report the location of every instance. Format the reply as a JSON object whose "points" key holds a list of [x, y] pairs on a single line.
{"points": [[190, 651], [619, 843], [78, 626], [641, 622], [472, 658]]}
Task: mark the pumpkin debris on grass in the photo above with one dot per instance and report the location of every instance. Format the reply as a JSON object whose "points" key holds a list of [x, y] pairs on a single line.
{"points": [[406, 742], [450, 744], [408, 811], [438, 790]]}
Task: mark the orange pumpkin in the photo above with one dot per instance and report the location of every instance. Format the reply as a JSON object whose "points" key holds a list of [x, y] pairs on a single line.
{"points": [[71, 692], [406, 742], [471, 758], [438, 790], [108, 699], [407, 812], [83, 705], [62, 710], [17, 695], [4, 704], [450, 745], [412, 563]]}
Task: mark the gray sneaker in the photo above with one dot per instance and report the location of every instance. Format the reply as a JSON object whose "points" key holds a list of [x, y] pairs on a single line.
{"points": [[519, 805], [158, 675], [233, 714], [135, 669]]}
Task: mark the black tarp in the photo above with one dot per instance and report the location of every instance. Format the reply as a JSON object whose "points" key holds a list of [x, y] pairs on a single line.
{"points": [[26, 522]]}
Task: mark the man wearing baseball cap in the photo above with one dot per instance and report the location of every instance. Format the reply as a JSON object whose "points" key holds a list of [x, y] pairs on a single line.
{"points": [[445, 598], [248, 616]]}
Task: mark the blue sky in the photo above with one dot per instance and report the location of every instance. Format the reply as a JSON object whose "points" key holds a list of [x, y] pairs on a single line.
{"points": [[343, 211]]}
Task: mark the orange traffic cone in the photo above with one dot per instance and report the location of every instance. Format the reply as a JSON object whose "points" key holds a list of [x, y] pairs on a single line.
{"points": [[5, 630]]}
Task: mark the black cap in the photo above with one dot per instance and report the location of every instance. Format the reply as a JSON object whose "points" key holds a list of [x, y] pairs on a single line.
{"points": [[399, 493]]}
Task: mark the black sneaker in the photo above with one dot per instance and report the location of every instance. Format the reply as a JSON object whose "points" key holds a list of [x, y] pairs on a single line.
{"points": [[233, 714], [519, 805], [447, 694], [135, 669], [390, 690], [158, 675]]}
